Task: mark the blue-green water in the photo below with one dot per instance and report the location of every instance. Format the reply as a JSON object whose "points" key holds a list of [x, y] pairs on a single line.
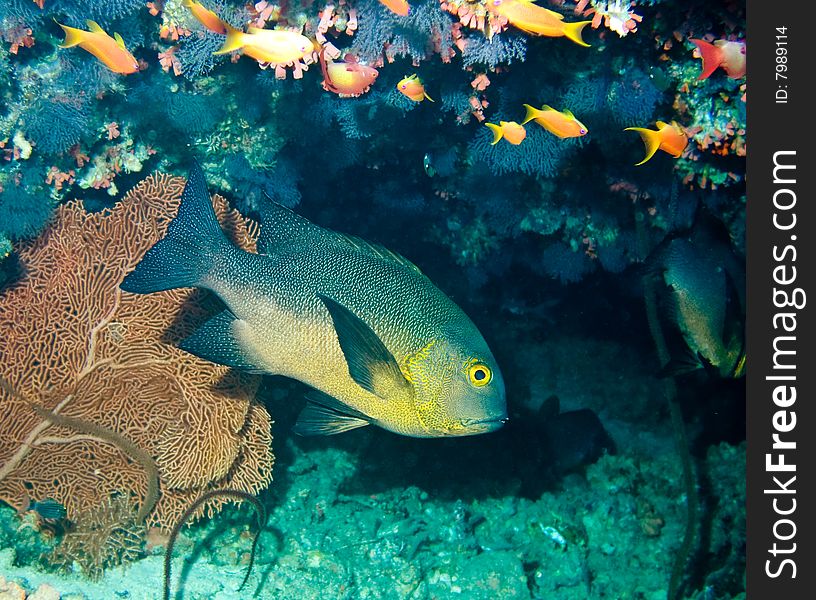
{"points": [[571, 261]]}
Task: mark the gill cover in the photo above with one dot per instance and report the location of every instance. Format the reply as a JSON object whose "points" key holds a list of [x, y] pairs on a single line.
{"points": [[431, 377]]}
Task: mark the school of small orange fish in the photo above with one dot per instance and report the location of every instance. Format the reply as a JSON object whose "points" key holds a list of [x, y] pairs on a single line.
{"points": [[350, 78]]}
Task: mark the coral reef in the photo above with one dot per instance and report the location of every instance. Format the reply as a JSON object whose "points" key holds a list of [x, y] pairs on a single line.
{"points": [[207, 110], [541, 243]]}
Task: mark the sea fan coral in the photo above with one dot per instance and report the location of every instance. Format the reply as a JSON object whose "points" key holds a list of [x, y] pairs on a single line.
{"points": [[280, 183], [195, 54], [560, 261], [586, 95], [186, 113], [194, 114], [18, 12], [500, 50], [56, 124], [105, 536], [633, 98], [355, 119], [381, 33], [23, 214], [82, 76], [103, 12], [539, 154], [76, 345]]}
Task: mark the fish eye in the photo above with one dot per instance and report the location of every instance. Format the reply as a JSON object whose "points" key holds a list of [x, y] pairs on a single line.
{"points": [[583, 131], [479, 374]]}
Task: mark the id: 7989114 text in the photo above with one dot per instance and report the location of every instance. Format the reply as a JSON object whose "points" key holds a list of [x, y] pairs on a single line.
{"points": [[781, 95]]}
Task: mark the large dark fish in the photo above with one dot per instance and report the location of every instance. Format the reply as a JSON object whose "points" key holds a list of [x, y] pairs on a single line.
{"points": [[704, 303], [363, 326]]}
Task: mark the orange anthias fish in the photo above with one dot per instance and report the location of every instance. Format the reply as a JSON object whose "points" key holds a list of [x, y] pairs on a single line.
{"points": [[560, 123], [398, 7], [669, 137], [509, 130], [530, 18], [346, 77], [274, 46], [728, 55], [110, 50], [413, 88], [206, 17]]}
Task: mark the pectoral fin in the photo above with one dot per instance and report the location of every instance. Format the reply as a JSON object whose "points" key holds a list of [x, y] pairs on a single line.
{"points": [[684, 362], [733, 327], [325, 415], [222, 340], [370, 363]]}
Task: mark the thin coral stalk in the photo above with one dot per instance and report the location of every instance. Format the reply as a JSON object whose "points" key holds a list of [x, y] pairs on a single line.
{"points": [[680, 438], [121, 442], [260, 512]]}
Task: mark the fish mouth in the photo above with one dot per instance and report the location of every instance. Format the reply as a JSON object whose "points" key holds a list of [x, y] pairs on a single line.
{"points": [[477, 426]]}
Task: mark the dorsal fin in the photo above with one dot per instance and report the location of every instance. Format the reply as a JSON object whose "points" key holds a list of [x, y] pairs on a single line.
{"points": [[119, 41], [661, 124], [568, 113], [94, 26], [373, 249], [281, 226]]}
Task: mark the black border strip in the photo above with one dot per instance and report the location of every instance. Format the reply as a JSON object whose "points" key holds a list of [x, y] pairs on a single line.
{"points": [[781, 257]]}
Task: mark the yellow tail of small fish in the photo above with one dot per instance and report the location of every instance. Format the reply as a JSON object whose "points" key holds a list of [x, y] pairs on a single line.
{"points": [[651, 140], [73, 36], [532, 113], [235, 40], [497, 133], [573, 31]]}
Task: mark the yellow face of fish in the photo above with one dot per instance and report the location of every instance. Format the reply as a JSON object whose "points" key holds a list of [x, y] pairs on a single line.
{"points": [[455, 393]]}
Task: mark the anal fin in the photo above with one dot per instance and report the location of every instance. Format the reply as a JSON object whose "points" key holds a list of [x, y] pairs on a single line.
{"points": [[218, 341], [325, 415]]}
